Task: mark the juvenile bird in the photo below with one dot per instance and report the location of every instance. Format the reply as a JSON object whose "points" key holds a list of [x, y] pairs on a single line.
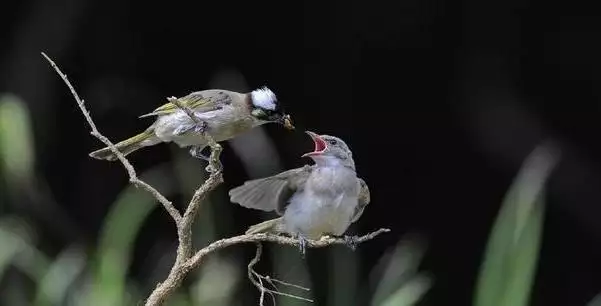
{"points": [[313, 201], [224, 115]]}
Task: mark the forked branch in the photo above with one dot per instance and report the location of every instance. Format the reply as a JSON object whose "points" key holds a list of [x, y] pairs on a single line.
{"points": [[186, 260]]}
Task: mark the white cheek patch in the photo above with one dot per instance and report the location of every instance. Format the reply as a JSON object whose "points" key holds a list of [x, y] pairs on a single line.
{"points": [[264, 98]]}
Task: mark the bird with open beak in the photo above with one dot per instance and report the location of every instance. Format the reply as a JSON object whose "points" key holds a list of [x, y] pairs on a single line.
{"points": [[313, 201], [222, 113]]}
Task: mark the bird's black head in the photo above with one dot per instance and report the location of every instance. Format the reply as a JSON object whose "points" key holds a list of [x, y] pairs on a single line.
{"points": [[265, 107]]}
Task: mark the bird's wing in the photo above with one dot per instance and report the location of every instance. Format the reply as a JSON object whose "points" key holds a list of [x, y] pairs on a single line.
{"points": [[271, 193], [364, 199], [198, 101]]}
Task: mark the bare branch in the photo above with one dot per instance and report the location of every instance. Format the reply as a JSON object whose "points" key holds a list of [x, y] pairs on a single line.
{"points": [[133, 177], [176, 275], [195, 260], [252, 273], [275, 280]]}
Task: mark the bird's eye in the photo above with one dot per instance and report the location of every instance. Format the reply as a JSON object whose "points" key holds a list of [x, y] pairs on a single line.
{"points": [[332, 142]]}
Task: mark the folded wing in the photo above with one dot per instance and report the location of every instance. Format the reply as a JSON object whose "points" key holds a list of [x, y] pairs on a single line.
{"points": [[364, 199], [197, 101]]}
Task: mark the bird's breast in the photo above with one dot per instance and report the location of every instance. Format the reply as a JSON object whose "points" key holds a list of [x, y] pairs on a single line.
{"points": [[229, 125], [332, 180]]}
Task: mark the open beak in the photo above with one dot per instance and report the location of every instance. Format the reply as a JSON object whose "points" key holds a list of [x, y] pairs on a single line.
{"points": [[320, 145]]}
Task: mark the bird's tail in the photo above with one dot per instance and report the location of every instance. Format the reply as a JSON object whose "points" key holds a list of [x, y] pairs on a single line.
{"points": [[126, 146], [269, 226]]}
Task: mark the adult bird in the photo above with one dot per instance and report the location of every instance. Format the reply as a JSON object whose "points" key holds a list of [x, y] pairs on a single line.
{"points": [[223, 114], [313, 201]]}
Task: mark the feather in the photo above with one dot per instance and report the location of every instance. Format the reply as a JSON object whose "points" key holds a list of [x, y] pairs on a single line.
{"points": [[197, 101], [363, 199], [269, 226], [126, 146], [264, 98], [258, 194], [270, 193]]}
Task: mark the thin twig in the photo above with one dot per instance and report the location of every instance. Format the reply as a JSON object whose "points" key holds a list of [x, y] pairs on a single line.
{"points": [[275, 280], [251, 273], [133, 177], [257, 280]]}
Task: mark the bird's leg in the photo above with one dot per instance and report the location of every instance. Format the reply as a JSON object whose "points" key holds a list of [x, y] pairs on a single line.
{"points": [[351, 241], [302, 244], [196, 151], [325, 237]]}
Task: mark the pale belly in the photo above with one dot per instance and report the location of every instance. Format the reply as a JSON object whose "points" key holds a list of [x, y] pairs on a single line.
{"points": [[222, 125], [314, 216]]}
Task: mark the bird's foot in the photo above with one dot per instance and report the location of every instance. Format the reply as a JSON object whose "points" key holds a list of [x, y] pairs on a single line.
{"points": [[351, 241], [325, 237], [196, 151]]}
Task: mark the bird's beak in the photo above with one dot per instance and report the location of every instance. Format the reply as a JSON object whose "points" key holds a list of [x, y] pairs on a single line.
{"points": [[320, 145]]}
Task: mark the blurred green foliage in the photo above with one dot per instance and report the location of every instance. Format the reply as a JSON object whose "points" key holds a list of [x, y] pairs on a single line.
{"points": [[100, 276], [510, 260]]}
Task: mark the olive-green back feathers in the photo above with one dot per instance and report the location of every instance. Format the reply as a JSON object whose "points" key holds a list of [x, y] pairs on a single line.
{"points": [[196, 101]]}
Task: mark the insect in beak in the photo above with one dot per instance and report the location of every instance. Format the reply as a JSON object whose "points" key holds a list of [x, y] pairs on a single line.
{"points": [[287, 122]]}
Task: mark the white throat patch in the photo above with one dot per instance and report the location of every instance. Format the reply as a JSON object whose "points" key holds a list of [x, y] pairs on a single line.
{"points": [[264, 98]]}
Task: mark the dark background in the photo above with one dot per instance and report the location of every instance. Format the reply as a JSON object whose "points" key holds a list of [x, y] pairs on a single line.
{"points": [[440, 102]]}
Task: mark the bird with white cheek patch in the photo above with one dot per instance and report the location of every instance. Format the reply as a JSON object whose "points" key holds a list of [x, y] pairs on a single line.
{"points": [[313, 201], [224, 115]]}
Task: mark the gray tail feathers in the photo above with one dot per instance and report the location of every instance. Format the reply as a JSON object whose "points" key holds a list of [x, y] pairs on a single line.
{"points": [[126, 146], [269, 226]]}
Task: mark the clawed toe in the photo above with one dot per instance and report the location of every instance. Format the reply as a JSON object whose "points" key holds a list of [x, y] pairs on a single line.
{"points": [[302, 245], [197, 152]]}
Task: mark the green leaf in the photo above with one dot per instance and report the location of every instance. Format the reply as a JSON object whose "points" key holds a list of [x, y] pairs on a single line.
{"points": [[596, 301], [217, 282], [511, 254], [12, 245], [410, 292], [396, 274], [118, 237], [20, 251], [52, 288], [16, 139], [397, 267]]}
